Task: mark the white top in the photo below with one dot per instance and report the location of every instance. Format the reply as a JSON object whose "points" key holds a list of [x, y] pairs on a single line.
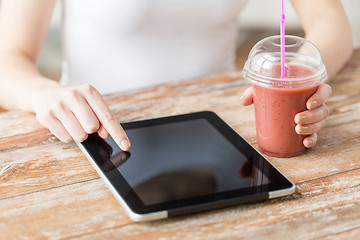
{"points": [[120, 45]]}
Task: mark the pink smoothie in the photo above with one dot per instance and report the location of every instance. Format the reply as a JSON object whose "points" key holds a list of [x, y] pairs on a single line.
{"points": [[275, 109]]}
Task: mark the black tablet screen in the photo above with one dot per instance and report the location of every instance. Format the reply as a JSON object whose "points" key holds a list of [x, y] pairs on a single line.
{"points": [[179, 160]]}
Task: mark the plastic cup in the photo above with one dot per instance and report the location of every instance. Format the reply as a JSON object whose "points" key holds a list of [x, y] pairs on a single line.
{"points": [[277, 100]]}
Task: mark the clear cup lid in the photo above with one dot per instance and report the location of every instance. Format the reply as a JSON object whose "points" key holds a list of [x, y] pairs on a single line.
{"points": [[303, 63]]}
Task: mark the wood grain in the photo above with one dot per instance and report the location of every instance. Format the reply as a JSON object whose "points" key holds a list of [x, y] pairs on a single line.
{"points": [[332, 198], [48, 189]]}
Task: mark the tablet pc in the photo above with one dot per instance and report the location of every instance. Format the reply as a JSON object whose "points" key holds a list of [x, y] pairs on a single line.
{"points": [[183, 164]]}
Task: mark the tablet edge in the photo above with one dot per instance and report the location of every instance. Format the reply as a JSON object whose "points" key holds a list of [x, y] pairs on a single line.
{"points": [[134, 216]]}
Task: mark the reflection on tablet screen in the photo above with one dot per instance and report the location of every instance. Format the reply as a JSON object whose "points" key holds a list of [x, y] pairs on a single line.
{"points": [[180, 160]]}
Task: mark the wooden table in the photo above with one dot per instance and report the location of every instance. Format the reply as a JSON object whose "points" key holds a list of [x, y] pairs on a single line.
{"points": [[48, 189]]}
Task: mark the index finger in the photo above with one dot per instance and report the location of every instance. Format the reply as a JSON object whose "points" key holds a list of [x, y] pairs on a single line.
{"points": [[319, 97], [107, 119]]}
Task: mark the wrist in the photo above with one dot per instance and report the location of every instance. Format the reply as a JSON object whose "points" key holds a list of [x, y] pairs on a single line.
{"points": [[39, 91]]}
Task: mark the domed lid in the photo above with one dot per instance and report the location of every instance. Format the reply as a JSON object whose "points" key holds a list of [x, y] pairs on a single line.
{"points": [[303, 63]]}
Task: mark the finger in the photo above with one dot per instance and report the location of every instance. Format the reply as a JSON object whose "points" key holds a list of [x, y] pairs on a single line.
{"points": [[85, 116], [245, 170], [247, 98], [102, 132], [322, 93], [310, 141], [309, 128], [312, 116], [120, 158], [106, 118], [71, 124], [105, 150], [57, 129]]}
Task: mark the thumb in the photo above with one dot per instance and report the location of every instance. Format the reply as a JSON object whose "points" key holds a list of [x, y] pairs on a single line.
{"points": [[247, 98]]}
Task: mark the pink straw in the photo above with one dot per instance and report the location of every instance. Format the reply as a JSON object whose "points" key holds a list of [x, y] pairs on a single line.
{"points": [[282, 40]]}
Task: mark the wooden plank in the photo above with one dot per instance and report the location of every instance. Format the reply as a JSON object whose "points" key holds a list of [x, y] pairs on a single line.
{"points": [[60, 212], [20, 129], [47, 166], [352, 234], [88, 210]]}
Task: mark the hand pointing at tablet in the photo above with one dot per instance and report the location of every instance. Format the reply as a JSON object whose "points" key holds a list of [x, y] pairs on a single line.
{"points": [[74, 112]]}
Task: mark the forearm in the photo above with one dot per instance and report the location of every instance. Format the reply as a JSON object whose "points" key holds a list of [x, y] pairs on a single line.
{"points": [[333, 37], [23, 27], [326, 25], [20, 81]]}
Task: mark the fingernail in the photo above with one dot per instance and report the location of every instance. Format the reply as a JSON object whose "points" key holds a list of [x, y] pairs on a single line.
{"points": [[310, 144], [313, 104], [125, 144], [304, 129], [300, 119]]}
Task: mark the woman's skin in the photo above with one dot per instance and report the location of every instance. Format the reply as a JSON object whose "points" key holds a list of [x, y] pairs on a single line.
{"points": [[76, 111]]}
